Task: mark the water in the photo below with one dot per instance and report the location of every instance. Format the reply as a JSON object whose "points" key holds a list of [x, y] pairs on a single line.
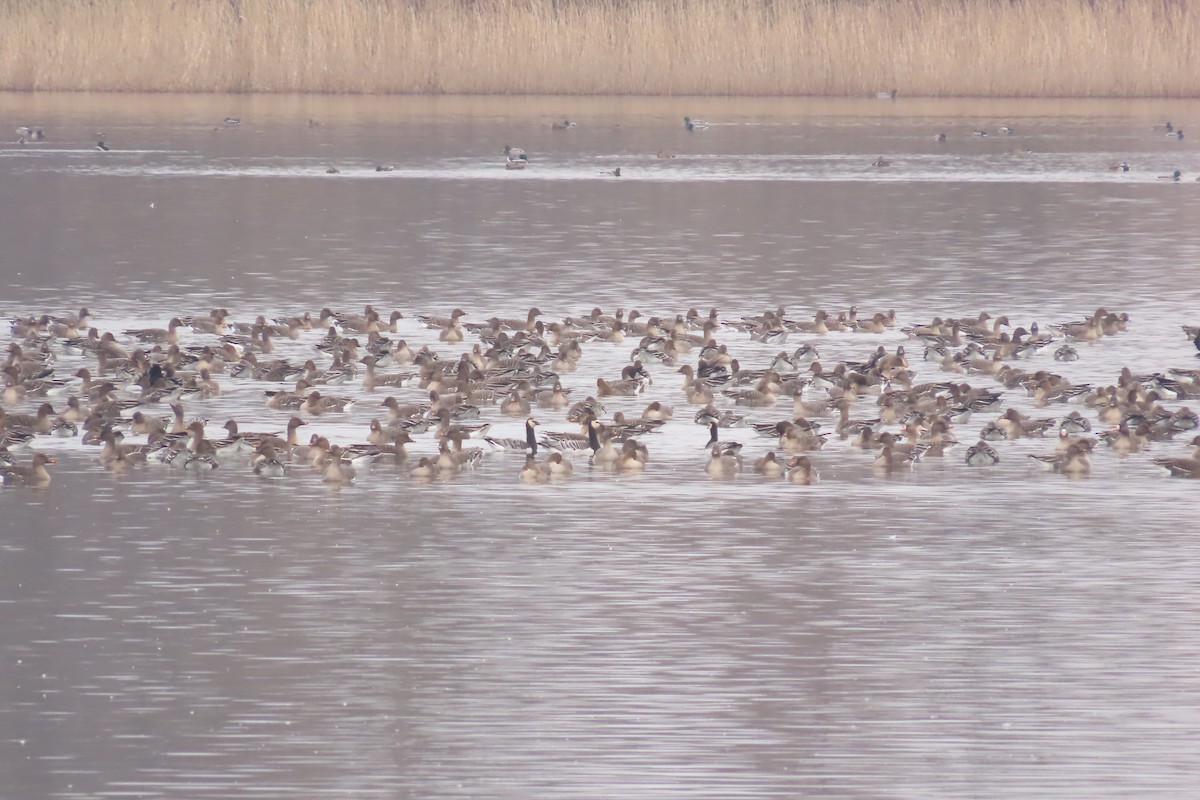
{"points": [[952, 632]]}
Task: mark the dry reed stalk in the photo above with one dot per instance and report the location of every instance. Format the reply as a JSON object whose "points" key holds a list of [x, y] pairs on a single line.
{"points": [[1016, 48]]}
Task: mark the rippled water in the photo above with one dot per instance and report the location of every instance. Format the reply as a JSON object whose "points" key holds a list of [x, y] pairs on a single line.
{"points": [[946, 633]]}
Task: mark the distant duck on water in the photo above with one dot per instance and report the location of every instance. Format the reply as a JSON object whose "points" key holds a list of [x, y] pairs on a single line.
{"points": [[881, 162], [694, 124], [565, 125], [517, 159], [1174, 176], [232, 122], [100, 145]]}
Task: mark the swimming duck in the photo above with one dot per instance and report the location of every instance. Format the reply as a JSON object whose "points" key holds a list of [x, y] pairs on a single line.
{"points": [[565, 125], [1174, 176], [1006, 130], [232, 122], [939, 137], [1122, 166], [881, 162], [694, 124], [100, 145]]}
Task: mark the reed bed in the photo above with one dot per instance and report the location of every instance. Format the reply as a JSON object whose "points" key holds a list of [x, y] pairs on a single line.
{"points": [[981, 48]]}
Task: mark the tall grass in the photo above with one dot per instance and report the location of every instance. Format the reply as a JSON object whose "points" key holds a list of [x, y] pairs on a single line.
{"points": [[1013, 48]]}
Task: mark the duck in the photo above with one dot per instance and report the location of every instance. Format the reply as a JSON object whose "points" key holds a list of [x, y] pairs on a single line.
{"points": [[881, 162], [565, 125], [1174, 176], [35, 474], [232, 122], [694, 124], [100, 145], [801, 470], [1122, 166]]}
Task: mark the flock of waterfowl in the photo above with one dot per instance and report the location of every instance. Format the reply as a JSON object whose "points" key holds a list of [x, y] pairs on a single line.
{"points": [[516, 158], [128, 393]]}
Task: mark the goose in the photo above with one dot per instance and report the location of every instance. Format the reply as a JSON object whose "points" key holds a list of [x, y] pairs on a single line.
{"points": [[35, 474], [441, 322], [425, 469], [632, 457], [528, 445], [557, 466], [1074, 461], [801, 471], [723, 448], [317, 404], [722, 465], [168, 335], [532, 472], [982, 455], [372, 380], [770, 466], [888, 460], [39, 423], [266, 464], [515, 405], [335, 470]]}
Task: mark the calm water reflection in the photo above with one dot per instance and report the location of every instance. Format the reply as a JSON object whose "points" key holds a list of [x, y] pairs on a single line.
{"points": [[953, 633]]}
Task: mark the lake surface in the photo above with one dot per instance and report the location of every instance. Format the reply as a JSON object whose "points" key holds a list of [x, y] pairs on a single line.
{"points": [[944, 632]]}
